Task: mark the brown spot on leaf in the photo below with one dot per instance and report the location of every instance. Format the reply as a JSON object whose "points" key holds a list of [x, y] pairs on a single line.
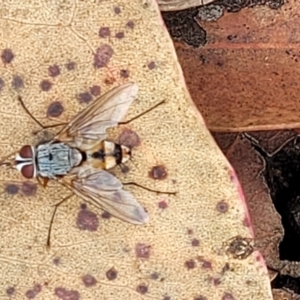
{"points": [[205, 263], [10, 291], [200, 298], [12, 189], [216, 281], [104, 32], [130, 24], [195, 242], [154, 276], [7, 56], [83, 206], [162, 204], [151, 65], [142, 288], [103, 55], [111, 274], [1, 84], [106, 215], [30, 294], [85, 97], [70, 66], [54, 71], [37, 288], [124, 73], [87, 220], [167, 298], [64, 294], [117, 10], [190, 264], [17, 82], [190, 231], [89, 280], [56, 261], [95, 90], [55, 109], [158, 172], [142, 250], [28, 188], [119, 35], [227, 296], [222, 206], [45, 85], [129, 138]]}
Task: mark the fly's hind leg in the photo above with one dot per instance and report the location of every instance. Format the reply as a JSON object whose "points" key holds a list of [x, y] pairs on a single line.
{"points": [[53, 215]]}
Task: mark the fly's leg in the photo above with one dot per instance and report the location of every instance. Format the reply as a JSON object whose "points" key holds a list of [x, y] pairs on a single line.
{"points": [[148, 189], [53, 215], [36, 120], [143, 113]]}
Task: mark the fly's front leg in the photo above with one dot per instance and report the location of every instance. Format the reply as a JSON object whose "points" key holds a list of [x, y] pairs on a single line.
{"points": [[53, 215]]}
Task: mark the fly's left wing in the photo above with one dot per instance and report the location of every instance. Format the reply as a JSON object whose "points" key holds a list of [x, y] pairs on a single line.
{"points": [[104, 112], [106, 191]]}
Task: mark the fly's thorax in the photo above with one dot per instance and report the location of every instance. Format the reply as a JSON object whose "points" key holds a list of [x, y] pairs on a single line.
{"points": [[55, 159], [110, 154], [25, 161]]}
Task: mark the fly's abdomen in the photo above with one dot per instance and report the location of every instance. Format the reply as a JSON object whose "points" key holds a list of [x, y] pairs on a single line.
{"points": [[56, 159]]}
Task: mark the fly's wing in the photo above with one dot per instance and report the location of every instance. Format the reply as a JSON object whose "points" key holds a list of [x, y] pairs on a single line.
{"points": [[105, 191], [106, 111]]}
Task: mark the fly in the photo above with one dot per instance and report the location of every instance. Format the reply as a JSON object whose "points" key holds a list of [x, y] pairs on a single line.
{"points": [[79, 156]]}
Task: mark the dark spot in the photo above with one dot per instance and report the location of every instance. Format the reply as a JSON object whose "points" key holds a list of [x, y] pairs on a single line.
{"points": [[129, 138], [1, 84], [142, 288], [195, 242], [119, 35], [45, 85], [17, 82], [190, 264], [111, 274], [205, 263], [89, 280], [12, 189], [85, 97], [142, 250], [216, 281], [55, 109], [56, 261], [70, 66], [167, 298], [64, 294], [7, 56], [124, 73], [109, 80], [117, 10], [95, 90], [231, 37], [190, 231], [87, 220], [28, 189], [30, 294], [162, 204], [227, 296], [37, 288], [83, 206], [125, 169], [103, 55], [154, 276], [104, 32], [222, 206], [106, 215], [151, 65], [54, 70], [200, 298], [10, 291], [130, 24], [158, 172]]}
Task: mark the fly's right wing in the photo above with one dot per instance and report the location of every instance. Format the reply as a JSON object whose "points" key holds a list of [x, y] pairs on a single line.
{"points": [[104, 112], [106, 191]]}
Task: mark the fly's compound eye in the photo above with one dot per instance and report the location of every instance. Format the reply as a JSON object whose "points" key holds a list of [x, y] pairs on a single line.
{"points": [[28, 171], [26, 152]]}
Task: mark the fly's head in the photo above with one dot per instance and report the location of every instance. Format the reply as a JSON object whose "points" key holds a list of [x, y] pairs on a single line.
{"points": [[25, 161]]}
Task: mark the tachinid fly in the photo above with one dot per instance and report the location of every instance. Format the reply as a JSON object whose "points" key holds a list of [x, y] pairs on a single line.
{"points": [[79, 156]]}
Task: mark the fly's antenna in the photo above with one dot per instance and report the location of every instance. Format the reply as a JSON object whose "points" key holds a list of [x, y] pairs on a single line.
{"points": [[143, 113]]}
